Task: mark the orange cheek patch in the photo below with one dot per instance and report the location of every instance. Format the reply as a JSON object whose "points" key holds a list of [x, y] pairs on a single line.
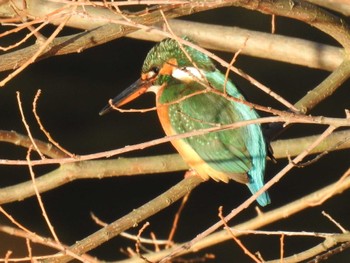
{"points": [[168, 67]]}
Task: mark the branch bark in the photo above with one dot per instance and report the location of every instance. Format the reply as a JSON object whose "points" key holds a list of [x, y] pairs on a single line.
{"points": [[132, 219], [253, 43], [257, 222], [138, 166], [102, 25]]}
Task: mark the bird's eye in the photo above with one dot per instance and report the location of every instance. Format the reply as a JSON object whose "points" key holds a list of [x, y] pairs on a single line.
{"points": [[155, 70]]}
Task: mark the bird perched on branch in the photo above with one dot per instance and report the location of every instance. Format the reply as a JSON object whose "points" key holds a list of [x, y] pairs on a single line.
{"points": [[192, 94]]}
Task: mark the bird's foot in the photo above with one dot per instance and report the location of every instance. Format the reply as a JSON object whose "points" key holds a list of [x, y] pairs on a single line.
{"points": [[190, 172]]}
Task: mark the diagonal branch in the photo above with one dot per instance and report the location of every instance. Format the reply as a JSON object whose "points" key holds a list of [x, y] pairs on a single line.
{"points": [[258, 221], [325, 89], [133, 218]]}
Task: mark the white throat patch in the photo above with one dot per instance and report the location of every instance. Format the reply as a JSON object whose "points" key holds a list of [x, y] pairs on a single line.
{"points": [[154, 88], [188, 74]]}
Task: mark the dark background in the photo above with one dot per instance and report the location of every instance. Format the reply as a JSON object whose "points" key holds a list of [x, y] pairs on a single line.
{"points": [[75, 88]]}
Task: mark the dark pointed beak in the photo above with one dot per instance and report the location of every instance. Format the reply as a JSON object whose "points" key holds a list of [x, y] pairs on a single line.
{"points": [[132, 92]]}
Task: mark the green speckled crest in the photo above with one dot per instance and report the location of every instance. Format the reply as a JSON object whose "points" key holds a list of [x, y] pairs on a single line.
{"points": [[168, 49]]}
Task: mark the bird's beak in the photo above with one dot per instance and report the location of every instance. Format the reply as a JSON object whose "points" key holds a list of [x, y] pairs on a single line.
{"points": [[132, 92]]}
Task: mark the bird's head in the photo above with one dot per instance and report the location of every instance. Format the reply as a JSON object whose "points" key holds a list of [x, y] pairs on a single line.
{"points": [[166, 61]]}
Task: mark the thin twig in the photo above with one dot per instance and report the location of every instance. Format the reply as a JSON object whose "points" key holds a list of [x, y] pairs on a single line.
{"points": [[15, 222], [239, 243], [27, 126], [137, 215], [42, 128], [342, 229], [282, 247], [29, 248], [140, 239], [233, 60], [176, 220], [262, 220], [138, 242], [35, 238], [250, 200], [42, 48], [291, 118], [38, 196]]}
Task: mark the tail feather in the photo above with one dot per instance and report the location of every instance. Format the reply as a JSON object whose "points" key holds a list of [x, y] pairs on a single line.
{"points": [[264, 198]]}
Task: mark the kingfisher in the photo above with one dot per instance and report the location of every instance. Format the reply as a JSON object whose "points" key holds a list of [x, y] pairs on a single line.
{"points": [[192, 94]]}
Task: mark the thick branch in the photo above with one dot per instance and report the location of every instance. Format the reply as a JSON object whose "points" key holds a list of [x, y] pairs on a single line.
{"points": [[341, 6], [24, 141], [95, 19], [103, 25], [145, 165], [285, 117], [313, 199], [223, 38], [325, 89], [308, 13], [133, 218], [92, 169], [327, 244], [253, 43]]}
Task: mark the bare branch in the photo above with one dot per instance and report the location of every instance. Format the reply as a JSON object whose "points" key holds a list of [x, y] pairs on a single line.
{"points": [[99, 33], [328, 243], [341, 6], [325, 89], [24, 141], [258, 221], [288, 117], [253, 43], [133, 218], [144, 165], [40, 201], [35, 238], [105, 21], [251, 199]]}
